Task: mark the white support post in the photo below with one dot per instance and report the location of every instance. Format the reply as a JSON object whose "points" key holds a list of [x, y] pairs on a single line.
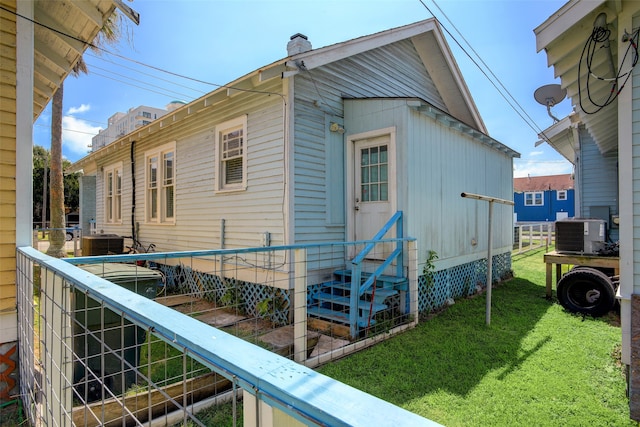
{"points": [[520, 239], [412, 249], [541, 238], [300, 305]]}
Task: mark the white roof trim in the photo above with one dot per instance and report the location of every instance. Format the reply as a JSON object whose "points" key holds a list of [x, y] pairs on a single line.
{"points": [[325, 55], [451, 95], [561, 136], [563, 19]]}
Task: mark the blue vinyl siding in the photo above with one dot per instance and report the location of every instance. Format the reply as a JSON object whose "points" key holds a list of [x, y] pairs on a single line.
{"points": [[598, 178], [394, 70], [549, 209], [435, 164]]}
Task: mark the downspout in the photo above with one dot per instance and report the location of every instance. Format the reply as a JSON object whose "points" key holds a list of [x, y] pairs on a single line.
{"points": [[133, 192]]}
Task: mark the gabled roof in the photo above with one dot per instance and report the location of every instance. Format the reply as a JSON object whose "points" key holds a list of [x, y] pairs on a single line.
{"points": [[434, 51], [428, 40], [543, 183], [563, 36]]}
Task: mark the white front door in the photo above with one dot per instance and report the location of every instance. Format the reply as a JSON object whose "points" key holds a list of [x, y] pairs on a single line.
{"points": [[373, 186]]}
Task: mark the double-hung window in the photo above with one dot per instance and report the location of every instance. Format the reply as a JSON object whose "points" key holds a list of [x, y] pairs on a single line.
{"points": [[534, 198], [160, 184], [561, 195], [231, 153], [113, 193]]}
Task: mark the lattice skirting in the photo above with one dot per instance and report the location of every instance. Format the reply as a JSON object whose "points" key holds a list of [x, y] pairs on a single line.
{"points": [[459, 281], [274, 304], [253, 299], [8, 371]]}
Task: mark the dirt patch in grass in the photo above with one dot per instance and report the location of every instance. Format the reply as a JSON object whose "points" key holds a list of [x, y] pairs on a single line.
{"points": [[197, 306]]}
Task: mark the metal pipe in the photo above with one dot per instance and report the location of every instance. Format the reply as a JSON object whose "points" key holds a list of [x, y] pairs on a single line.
{"points": [[133, 193], [222, 233], [491, 201], [489, 265]]}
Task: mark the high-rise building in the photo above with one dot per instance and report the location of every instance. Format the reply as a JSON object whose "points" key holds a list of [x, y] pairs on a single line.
{"points": [[121, 124]]}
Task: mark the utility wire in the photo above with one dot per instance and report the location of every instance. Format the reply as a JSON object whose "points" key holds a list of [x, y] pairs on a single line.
{"points": [[132, 85], [522, 113], [68, 130], [85, 120], [486, 66], [600, 36], [138, 81], [93, 46], [143, 73]]}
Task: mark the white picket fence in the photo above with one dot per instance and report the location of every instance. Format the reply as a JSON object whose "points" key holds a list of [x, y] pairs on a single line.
{"points": [[532, 236]]}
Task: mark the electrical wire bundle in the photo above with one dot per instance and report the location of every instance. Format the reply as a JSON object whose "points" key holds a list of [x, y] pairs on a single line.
{"points": [[599, 39]]}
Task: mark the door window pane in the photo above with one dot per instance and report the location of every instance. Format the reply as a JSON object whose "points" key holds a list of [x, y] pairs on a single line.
{"points": [[364, 189], [374, 174]]}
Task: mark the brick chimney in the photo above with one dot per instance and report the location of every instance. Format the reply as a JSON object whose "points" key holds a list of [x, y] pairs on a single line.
{"points": [[298, 43]]}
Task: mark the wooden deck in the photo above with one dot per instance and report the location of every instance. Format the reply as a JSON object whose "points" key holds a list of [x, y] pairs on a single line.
{"points": [[558, 259]]}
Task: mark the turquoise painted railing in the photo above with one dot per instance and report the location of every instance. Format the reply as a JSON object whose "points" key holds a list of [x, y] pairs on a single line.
{"points": [[357, 289], [266, 378]]}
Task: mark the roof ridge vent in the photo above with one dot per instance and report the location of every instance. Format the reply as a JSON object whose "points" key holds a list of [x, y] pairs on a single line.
{"points": [[298, 43]]}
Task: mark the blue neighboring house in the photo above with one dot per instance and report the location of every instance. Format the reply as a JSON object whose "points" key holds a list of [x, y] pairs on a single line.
{"points": [[543, 198]]}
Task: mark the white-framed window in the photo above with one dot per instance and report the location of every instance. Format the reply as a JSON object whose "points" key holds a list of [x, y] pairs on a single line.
{"points": [[534, 198], [231, 154], [160, 184], [113, 193], [561, 195]]}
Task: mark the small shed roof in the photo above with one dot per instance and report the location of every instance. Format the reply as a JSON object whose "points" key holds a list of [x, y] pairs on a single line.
{"points": [[543, 183]]}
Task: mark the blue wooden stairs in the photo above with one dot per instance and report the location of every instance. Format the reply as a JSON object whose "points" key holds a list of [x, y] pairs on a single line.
{"points": [[355, 296], [334, 299]]}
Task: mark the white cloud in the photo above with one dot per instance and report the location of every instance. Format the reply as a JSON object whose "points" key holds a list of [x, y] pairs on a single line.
{"points": [[83, 108], [538, 168], [536, 153], [77, 134]]}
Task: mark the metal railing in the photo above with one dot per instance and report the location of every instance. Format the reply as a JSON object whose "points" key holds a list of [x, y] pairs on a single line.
{"points": [[219, 335]]}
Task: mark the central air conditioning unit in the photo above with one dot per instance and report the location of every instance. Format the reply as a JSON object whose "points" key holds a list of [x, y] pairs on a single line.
{"points": [[583, 236], [102, 244]]}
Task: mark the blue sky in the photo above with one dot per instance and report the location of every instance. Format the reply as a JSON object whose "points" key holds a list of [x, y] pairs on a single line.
{"points": [[216, 41]]}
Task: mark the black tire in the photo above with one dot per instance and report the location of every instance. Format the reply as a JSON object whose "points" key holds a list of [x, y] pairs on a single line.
{"points": [[586, 290], [607, 271], [69, 237]]}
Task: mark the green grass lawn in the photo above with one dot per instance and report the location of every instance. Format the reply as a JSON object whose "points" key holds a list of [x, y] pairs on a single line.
{"points": [[536, 364]]}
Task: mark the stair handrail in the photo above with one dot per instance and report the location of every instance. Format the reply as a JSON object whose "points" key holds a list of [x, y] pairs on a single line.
{"points": [[378, 272], [396, 218], [358, 290]]}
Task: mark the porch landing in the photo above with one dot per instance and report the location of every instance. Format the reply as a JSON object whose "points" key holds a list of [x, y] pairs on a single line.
{"points": [[278, 340]]}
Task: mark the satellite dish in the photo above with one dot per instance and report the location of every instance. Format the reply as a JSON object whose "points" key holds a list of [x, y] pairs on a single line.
{"points": [[550, 95]]}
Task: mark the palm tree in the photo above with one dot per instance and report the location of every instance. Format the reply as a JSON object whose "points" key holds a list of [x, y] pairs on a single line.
{"points": [[109, 34]]}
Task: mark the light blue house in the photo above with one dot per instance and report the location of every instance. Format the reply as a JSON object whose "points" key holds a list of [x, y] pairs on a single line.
{"points": [[601, 137], [596, 173], [324, 145]]}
